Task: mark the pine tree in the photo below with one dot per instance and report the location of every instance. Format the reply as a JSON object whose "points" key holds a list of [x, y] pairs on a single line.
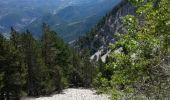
{"points": [[50, 51], [13, 70], [75, 75], [88, 69], [37, 77], [15, 37], [2, 60]]}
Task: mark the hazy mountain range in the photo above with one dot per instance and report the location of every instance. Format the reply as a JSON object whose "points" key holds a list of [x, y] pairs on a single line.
{"points": [[70, 18]]}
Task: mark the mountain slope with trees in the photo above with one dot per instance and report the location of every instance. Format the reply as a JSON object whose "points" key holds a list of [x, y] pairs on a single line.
{"points": [[138, 65], [35, 67], [137, 36]]}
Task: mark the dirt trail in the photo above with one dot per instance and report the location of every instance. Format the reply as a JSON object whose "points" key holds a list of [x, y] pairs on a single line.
{"points": [[74, 94]]}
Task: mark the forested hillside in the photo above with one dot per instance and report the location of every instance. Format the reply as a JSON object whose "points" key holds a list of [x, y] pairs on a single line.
{"points": [[34, 67], [135, 35]]}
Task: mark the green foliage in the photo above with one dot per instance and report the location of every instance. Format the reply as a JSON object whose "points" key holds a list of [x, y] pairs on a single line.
{"points": [[1, 61], [138, 66], [88, 69], [33, 67], [50, 51], [37, 74], [75, 75], [83, 71], [12, 70]]}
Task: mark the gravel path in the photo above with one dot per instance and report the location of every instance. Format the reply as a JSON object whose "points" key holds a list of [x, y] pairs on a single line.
{"points": [[74, 94]]}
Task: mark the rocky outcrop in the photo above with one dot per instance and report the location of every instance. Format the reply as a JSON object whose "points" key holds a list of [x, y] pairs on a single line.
{"points": [[103, 33]]}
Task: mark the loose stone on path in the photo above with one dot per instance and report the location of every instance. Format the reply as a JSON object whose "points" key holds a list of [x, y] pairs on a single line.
{"points": [[74, 94]]}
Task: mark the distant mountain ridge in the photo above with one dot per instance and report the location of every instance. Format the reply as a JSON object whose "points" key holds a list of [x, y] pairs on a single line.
{"points": [[70, 18]]}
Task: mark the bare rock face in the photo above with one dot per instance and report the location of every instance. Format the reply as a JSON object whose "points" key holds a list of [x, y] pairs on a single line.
{"points": [[103, 34], [113, 23], [74, 94]]}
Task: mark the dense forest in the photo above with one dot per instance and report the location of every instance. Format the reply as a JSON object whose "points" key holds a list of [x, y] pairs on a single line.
{"points": [[36, 67], [137, 67]]}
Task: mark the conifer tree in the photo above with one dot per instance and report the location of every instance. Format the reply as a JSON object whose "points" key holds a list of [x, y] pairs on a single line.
{"points": [[2, 63], [50, 51], [15, 37], [37, 80], [75, 74], [13, 70], [88, 69]]}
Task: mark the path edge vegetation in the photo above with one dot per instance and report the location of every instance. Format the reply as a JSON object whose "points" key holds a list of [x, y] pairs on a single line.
{"points": [[138, 66]]}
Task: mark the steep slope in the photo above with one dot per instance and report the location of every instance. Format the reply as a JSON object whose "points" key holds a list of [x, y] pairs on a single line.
{"points": [[98, 39]]}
